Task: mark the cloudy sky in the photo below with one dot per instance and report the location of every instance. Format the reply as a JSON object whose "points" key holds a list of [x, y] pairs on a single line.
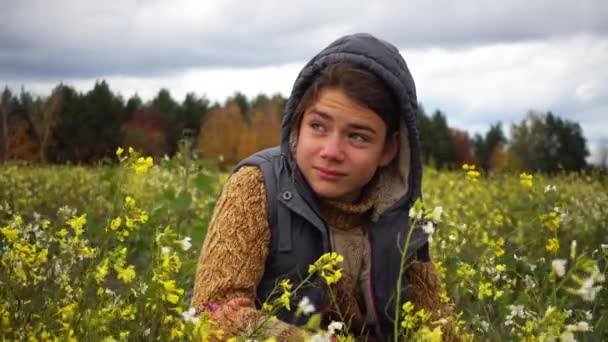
{"points": [[478, 61]]}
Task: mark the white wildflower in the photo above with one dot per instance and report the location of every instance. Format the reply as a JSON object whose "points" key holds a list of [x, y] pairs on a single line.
{"points": [[587, 291], [305, 306], [437, 214], [186, 243], [415, 213], [573, 249], [429, 227], [588, 315], [597, 276], [334, 326], [319, 338], [580, 326], [190, 316], [147, 332], [529, 281], [559, 267], [550, 187], [165, 250], [516, 311], [567, 337]]}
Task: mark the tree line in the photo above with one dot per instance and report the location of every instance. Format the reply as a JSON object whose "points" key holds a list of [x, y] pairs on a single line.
{"points": [[69, 126]]}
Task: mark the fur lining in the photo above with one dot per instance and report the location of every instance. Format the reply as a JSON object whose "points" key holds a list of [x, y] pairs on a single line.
{"points": [[393, 179]]}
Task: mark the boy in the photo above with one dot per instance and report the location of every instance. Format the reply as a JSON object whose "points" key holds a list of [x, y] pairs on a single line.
{"points": [[343, 179]]}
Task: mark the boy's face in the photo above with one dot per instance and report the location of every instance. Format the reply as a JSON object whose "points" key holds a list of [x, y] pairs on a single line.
{"points": [[340, 146]]}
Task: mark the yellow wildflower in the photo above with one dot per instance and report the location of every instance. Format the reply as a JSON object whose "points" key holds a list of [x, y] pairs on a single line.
{"points": [[284, 300], [11, 234], [408, 307], [62, 233], [485, 290], [77, 223], [325, 265], [87, 252], [143, 217], [552, 245], [115, 224], [471, 173], [67, 311], [423, 315], [142, 165], [428, 335], [128, 313], [551, 221], [525, 179], [126, 274]]}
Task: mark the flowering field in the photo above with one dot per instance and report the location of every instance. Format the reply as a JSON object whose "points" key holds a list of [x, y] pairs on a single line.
{"points": [[109, 253]]}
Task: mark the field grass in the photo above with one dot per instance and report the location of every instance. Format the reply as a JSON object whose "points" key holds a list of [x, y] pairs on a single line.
{"points": [[109, 252]]}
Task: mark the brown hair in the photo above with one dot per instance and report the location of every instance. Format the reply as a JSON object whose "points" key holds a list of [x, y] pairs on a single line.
{"points": [[361, 86]]}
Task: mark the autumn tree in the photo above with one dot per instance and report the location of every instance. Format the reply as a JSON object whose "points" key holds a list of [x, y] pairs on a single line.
{"points": [[146, 131], [462, 147], [485, 146], [220, 135]]}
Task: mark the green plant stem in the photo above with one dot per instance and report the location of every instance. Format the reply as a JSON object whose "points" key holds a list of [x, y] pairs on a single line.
{"points": [[400, 280]]}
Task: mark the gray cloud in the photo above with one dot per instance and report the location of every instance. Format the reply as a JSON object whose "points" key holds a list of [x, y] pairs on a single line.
{"points": [[76, 39]]}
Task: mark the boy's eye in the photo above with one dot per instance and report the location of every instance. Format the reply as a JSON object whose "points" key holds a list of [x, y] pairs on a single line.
{"points": [[316, 126], [359, 137]]}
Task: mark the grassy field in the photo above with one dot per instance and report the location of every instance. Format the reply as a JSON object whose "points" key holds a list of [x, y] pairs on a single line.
{"points": [[107, 252]]}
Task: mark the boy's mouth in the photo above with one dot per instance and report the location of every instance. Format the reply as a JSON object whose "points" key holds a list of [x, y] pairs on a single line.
{"points": [[328, 174]]}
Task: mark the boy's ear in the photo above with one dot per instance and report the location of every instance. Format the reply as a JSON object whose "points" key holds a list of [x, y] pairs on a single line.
{"points": [[391, 147]]}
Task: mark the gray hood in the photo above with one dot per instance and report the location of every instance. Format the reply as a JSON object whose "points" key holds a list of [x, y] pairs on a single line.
{"points": [[400, 182]]}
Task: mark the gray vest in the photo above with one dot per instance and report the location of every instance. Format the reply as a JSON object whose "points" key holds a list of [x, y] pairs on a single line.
{"points": [[299, 236]]}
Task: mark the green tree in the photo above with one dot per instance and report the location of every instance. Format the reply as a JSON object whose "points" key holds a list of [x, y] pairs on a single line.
{"points": [[89, 125], [436, 139], [192, 114], [545, 142], [170, 111], [7, 105], [133, 104]]}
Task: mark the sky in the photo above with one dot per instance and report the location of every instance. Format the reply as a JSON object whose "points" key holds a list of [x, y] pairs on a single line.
{"points": [[478, 61]]}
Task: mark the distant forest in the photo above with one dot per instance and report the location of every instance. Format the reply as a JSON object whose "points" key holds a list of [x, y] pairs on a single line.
{"points": [[75, 127]]}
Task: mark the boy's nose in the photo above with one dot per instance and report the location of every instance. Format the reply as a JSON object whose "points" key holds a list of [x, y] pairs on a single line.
{"points": [[332, 150]]}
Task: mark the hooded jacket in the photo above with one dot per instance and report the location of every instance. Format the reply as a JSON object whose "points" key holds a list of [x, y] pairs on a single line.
{"points": [[299, 233]]}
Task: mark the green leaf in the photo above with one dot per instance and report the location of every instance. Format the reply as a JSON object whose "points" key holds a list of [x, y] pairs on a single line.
{"points": [[182, 201], [314, 322]]}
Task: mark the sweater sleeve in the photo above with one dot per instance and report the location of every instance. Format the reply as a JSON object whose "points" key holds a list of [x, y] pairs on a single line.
{"points": [[233, 257], [425, 290]]}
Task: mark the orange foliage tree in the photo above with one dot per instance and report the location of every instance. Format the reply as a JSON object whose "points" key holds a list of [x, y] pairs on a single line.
{"points": [[226, 136], [462, 147], [21, 144]]}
